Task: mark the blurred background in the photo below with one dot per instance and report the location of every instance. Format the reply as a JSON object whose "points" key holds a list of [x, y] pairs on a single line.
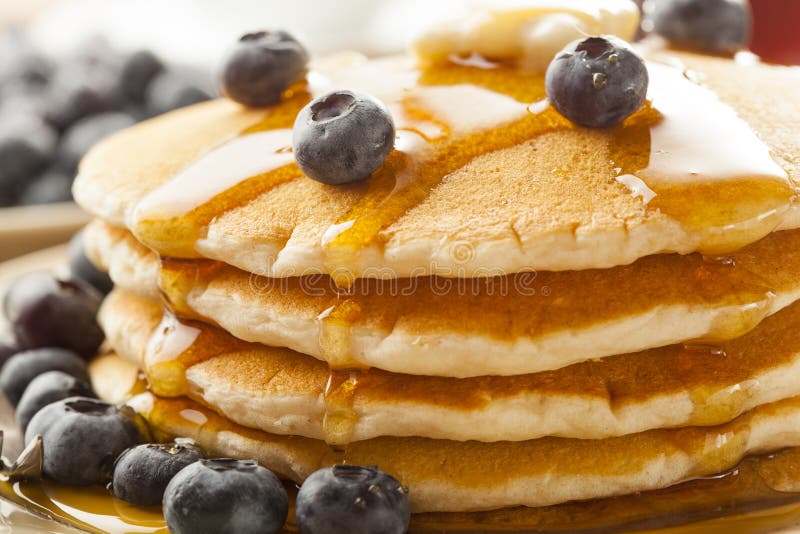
{"points": [[74, 71]]}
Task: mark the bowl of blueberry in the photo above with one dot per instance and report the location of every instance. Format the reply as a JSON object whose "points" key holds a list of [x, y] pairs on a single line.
{"points": [[53, 109]]}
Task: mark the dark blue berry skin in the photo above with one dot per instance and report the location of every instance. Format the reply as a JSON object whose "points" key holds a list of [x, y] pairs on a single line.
{"points": [[597, 82], [721, 26], [47, 312], [47, 388], [7, 349], [141, 474], [352, 499], [23, 367], [225, 497], [53, 185], [262, 66], [342, 137], [81, 268], [176, 88], [82, 437], [138, 71], [21, 60], [27, 146], [85, 133], [82, 87]]}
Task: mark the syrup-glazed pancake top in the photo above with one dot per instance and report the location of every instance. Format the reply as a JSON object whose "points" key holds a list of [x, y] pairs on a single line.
{"points": [[485, 177], [285, 392], [519, 324]]}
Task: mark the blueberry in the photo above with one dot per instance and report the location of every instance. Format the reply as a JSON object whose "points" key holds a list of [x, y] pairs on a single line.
{"points": [[177, 88], [597, 82], [342, 137], [82, 437], [141, 474], [53, 185], [715, 25], [85, 133], [22, 61], [262, 66], [7, 349], [353, 499], [47, 388], [27, 145], [22, 368], [22, 99], [46, 312], [138, 71], [225, 496], [80, 89], [81, 268]]}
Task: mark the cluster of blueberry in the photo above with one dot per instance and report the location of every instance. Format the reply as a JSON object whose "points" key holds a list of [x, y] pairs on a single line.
{"points": [[52, 112], [338, 138], [88, 441]]}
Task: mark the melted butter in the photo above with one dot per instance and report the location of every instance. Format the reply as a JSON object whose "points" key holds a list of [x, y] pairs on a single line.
{"points": [[173, 217], [256, 153], [686, 154], [697, 171]]}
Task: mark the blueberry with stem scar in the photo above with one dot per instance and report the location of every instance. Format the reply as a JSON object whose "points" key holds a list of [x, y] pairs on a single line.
{"points": [[597, 82], [342, 137]]}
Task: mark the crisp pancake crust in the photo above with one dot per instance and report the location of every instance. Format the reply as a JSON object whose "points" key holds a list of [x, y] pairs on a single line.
{"points": [[507, 326], [549, 203], [284, 392]]}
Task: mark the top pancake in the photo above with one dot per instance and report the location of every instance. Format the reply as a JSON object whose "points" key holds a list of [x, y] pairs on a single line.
{"points": [[485, 179]]}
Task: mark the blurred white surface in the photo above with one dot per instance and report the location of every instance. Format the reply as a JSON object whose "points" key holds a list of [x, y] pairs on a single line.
{"points": [[199, 31]]}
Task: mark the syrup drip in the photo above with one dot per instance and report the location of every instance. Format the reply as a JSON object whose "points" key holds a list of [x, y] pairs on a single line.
{"points": [[340, 418], [686, 154], [177, 345]]}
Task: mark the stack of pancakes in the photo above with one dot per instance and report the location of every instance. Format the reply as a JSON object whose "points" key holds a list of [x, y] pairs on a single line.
{"points": [[512, 311]]}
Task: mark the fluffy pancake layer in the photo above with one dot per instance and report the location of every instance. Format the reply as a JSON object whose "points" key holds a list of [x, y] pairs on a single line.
{"points": [[553, 202], [501, 326], [284, 392], [763, 481], [463, 476]]}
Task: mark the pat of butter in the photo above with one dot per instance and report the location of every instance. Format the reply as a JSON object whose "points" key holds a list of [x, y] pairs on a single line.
{"points": [[528, 31]]}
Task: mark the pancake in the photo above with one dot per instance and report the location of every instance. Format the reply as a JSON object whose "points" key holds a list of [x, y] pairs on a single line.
{"points": [[756, 483], [486, 179], [513, 325], [284, 392], [464, 476]]}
